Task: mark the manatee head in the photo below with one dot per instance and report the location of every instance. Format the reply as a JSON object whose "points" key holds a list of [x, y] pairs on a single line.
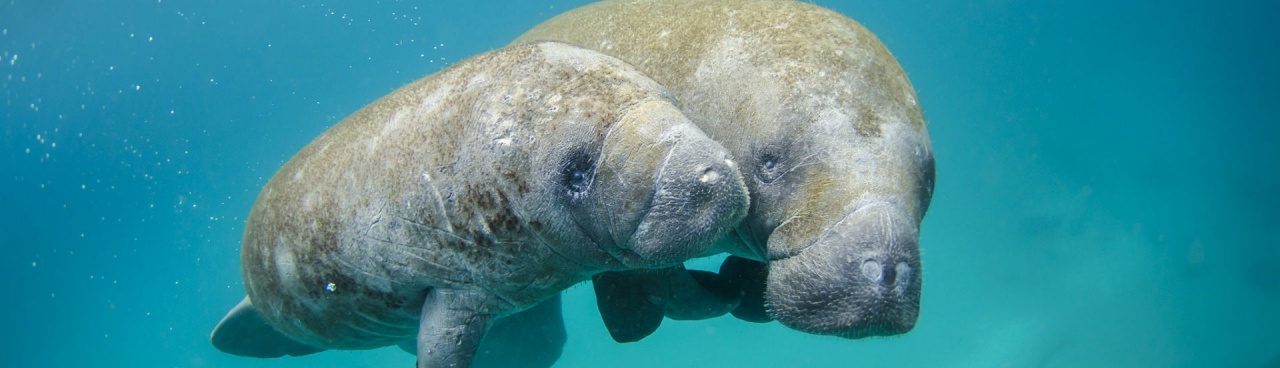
{"points": [[696, 193], [840, 180], [628, 172], [840, 211]]}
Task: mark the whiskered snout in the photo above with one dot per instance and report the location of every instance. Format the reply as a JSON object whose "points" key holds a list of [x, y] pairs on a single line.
{"points": [[860, 279], [698, 195]]}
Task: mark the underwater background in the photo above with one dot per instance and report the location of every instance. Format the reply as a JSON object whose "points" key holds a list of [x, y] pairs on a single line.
{"points": [[1106, 192]]}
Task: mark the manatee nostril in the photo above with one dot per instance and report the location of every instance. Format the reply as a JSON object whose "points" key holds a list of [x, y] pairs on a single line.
{"points": [[904, 276], [709, 176], [872, 270]]}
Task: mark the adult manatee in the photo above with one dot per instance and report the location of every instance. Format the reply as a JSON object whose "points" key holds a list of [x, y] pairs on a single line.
{"points": [[470, 195], [829, 136]]}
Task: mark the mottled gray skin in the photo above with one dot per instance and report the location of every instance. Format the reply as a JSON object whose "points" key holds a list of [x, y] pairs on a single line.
{"points": [[828, 133], [478, 192]]}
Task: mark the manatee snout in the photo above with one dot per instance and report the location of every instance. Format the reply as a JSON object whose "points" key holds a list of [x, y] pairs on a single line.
{"points": [[698, 195], [667, 190], [860, 279]]}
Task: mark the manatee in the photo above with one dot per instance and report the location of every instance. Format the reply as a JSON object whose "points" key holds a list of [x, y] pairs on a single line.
{"points": [[471, 195], [829, 136]]}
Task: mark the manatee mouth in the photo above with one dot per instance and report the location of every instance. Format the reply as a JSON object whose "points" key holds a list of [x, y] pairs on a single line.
{"points": [[860, 278]]}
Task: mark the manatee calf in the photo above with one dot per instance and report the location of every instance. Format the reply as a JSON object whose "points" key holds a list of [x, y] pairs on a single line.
{"points": [[470, 195], [828, 133]]}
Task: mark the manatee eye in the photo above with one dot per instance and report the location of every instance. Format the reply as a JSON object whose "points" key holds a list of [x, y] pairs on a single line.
{"points": [[769, 167], [576, 173], [578, 181]]}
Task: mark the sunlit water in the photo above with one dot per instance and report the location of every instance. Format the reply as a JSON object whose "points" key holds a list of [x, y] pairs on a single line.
{"points": [[1107, 176]]}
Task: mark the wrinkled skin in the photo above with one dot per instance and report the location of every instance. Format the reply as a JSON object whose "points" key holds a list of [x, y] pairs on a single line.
{"points": [[471, 195], [828, 134]]}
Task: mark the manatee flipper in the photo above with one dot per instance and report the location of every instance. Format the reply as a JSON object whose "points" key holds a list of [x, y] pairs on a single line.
{"points": [[633, 303], [749, 277], [243, 332], [697, 294], [409, 346], [452, 325], [629, 303], [533, 338]]}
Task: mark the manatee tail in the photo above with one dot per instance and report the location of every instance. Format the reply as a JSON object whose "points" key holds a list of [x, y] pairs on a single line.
{"points": [[243, 332]]}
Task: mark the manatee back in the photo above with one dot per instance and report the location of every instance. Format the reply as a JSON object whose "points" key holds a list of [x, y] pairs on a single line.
{"points": [[430, 186]]}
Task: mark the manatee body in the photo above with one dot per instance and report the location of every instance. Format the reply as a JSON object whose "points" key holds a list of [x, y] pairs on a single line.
{"points": [[828, 133], [473, 194]]}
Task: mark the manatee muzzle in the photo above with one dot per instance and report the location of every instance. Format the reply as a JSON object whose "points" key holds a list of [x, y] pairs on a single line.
{"points": [[860, 278], [698, 195]]}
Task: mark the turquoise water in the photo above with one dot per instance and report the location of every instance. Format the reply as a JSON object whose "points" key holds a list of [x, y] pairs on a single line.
{"points": [[1107, 175]]}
